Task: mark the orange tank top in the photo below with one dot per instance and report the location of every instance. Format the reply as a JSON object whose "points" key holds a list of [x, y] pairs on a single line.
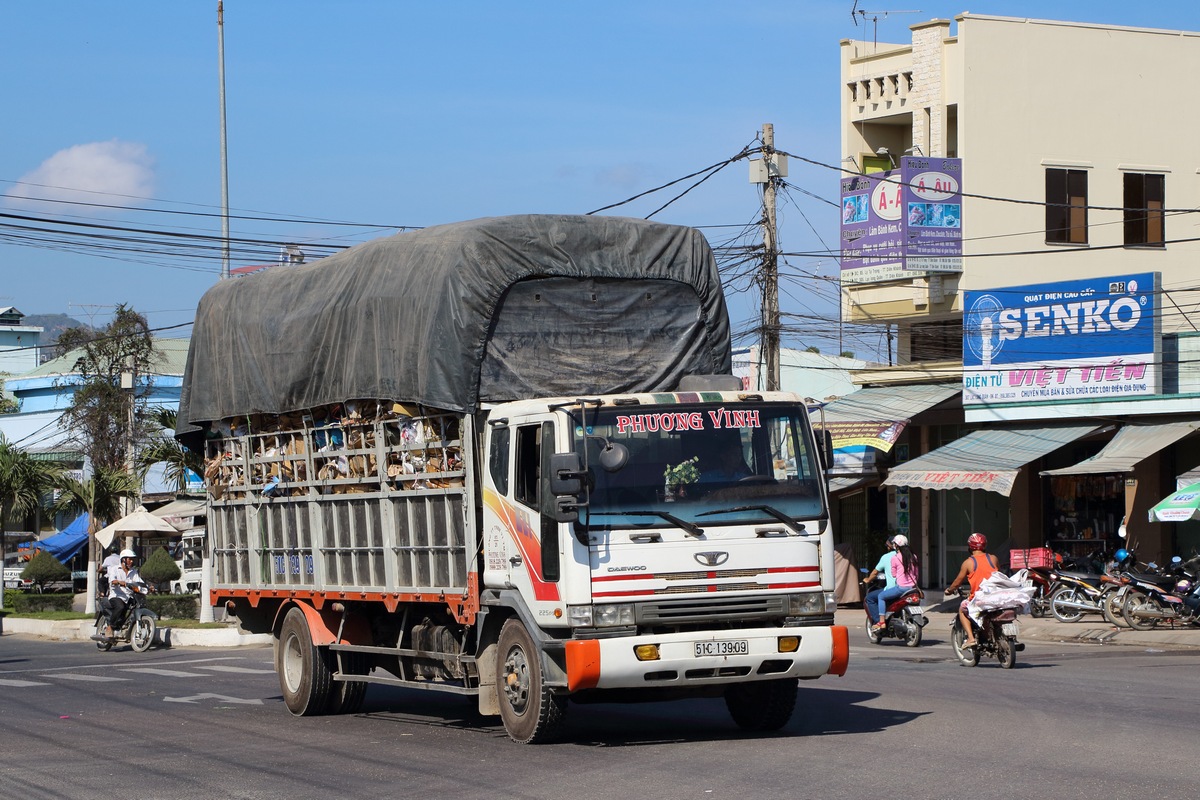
{"points": [[981, 573]]}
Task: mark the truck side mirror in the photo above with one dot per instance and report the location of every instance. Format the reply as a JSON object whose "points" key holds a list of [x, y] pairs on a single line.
{"points": [[825, 451], [566, 474]]}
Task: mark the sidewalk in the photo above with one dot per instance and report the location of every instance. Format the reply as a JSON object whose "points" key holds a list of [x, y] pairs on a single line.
{"points": [[1091, 629]]}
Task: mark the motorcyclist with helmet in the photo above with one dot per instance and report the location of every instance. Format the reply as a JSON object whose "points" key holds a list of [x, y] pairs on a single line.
{"points": [[120, 578], [978, 566]]}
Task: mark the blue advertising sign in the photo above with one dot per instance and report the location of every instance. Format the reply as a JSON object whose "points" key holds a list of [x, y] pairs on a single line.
{"points": [[933, 213], [1093, 339], [904, 220]]}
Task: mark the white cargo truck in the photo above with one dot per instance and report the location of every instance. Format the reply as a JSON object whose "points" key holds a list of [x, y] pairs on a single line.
{"points": [[506, 459]]}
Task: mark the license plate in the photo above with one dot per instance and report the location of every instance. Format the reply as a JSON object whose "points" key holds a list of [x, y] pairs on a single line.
{"points": [[1010, 628], [1028, 584], [728, 647], [916, 610]]}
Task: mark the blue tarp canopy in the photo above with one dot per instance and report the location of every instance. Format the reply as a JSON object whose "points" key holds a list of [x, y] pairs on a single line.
{"points": [[67, 543]]}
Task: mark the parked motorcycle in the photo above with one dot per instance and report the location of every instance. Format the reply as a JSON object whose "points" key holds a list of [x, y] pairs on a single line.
{"points": [[995, 635], [137, 627], [1151, 599], [904, 618], [1044, 585], [1080, 593]]}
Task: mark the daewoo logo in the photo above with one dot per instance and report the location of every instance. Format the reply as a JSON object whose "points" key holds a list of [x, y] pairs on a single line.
{"points": [[637, 568], [713, 558]]}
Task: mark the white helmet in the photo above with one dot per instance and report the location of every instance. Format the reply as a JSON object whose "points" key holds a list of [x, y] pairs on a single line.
{"points": [[127, 553]]}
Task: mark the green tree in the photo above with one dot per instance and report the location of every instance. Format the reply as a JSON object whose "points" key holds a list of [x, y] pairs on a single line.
{"points": [[44, 569], [162, 448], [159, 569], [102, 417], [23, 481], [8, 404]]}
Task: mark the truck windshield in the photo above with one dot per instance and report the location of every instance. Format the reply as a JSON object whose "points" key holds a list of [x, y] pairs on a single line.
{"points": [[747, 462]]}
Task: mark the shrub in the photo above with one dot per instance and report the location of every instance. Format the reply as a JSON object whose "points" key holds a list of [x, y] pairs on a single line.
{"points": [[44, 568], [173, 606], [159, 569], [29, 602]]}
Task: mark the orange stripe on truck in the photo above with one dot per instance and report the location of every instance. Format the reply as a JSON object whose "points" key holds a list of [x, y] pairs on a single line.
{"points": [[583, 664], [841, 650]]}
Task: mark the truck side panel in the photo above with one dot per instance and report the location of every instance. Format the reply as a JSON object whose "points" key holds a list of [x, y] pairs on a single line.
{"points": [[382, 507]]}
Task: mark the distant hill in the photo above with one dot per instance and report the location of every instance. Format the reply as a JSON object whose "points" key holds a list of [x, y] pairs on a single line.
{"points": [[54, 325]]}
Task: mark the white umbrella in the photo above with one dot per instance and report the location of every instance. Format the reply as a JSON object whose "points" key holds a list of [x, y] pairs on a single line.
{"points": [[139, 521]]}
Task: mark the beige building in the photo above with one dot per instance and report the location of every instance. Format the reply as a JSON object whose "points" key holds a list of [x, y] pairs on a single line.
{"points": [[1077, 164]]}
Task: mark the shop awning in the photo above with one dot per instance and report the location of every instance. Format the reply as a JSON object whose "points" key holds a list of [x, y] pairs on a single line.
{"points": [[1187, 478], [1132, 444], [181, 512], [846, 483], [875, 416], [987, 459]]}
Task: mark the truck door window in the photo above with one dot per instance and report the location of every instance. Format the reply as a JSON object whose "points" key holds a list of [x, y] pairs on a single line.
{"points": [[535, 445], [498, 459]]}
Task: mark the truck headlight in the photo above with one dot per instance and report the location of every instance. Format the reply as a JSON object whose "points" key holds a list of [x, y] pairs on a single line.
{"points": [[810, 603], [604, 615]]}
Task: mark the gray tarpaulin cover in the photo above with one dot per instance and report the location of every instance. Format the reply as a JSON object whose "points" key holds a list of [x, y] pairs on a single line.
{"points": [[452, 316]]}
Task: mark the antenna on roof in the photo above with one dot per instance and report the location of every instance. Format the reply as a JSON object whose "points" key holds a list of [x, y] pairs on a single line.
{"points": [[875, 16]]}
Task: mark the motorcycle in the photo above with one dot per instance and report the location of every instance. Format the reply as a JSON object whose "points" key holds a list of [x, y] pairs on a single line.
{"points": [[1080, 593], [1044, 585], [995, 635], [904, 618], [1152, 598], [137, 626]]}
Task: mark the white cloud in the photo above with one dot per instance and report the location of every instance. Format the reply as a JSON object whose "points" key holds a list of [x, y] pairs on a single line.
{"points": [[112, 173]]}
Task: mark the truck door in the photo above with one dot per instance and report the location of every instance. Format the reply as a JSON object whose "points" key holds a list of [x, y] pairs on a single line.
{"points": [[519, 517]]}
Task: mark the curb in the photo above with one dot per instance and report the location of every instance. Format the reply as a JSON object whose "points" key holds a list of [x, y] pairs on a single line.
{"points": [[81, 630]]}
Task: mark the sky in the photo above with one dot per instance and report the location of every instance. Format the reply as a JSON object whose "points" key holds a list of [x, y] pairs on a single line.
{"points": [[347, 121]]}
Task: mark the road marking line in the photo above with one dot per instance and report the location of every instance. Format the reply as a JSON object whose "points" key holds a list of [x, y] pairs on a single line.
{"points": [[210, 696], [170, 673], [244, 670], [68, 676], [21, 684]]}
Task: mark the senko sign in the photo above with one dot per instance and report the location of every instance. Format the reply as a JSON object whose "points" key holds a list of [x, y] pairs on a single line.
{"points": [[901, 221], [1094, 339]]}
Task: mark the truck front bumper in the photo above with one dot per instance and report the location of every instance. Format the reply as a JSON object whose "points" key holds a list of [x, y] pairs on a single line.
{"points": [[700, 658]]}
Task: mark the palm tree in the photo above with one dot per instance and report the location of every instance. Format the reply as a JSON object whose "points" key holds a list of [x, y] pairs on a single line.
{"points": [[23, 481], [100, 497], [163, 448]]}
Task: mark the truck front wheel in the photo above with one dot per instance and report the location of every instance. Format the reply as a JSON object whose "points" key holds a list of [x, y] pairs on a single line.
{"points": [[532, 714], [304, 674], [762, 705]]}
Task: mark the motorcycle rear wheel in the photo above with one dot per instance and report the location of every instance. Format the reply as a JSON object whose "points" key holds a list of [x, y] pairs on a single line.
{"points": [[1006, 653], [1067, 594], [1132, 601], [912, 631], [141, 634], [968, 657]]}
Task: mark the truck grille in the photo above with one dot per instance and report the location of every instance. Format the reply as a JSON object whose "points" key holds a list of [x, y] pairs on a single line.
{"points": [[672, 612]]}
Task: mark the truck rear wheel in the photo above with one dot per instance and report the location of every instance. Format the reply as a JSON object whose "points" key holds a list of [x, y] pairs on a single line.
{"points": [[304, 675], [762, 705], [532, 714]]}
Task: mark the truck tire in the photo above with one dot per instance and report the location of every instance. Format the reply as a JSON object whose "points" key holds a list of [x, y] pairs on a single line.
{"points": [[532, 714], [346, 697], [762, 705], [304, 674]]}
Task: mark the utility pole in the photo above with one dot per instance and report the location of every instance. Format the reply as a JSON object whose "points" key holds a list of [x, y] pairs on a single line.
{"points": [[224, 157], [770, 290]]}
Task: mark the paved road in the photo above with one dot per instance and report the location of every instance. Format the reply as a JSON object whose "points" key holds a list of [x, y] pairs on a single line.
{"points": [[1070, 721]]}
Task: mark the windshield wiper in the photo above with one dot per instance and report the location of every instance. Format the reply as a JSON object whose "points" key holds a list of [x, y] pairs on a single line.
{"points": [[798, 527], [689, 527]]}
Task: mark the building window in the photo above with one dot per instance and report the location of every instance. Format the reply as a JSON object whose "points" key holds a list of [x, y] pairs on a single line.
{"points": [[1144, 204], [1066, 206]]}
